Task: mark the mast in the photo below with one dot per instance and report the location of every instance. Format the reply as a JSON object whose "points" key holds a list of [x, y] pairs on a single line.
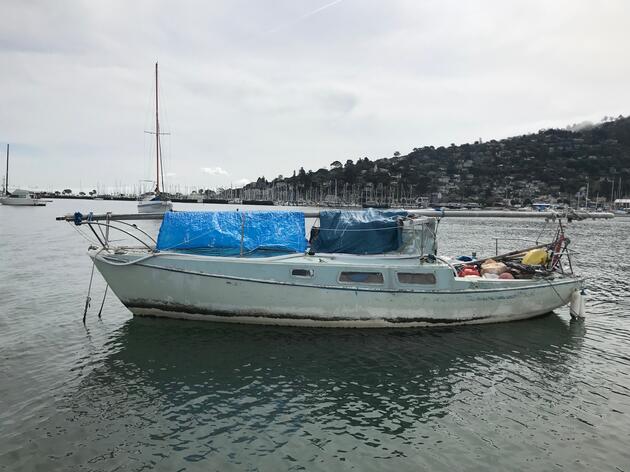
{"points": [[157, 134], [6, 178], [587, 184]]}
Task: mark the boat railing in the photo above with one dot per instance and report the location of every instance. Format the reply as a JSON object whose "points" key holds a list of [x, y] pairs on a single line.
{"points": [[100, 226], [108, 222]]}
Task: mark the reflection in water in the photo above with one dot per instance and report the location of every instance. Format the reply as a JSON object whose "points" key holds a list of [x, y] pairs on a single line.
{"points": [[197, 389]]}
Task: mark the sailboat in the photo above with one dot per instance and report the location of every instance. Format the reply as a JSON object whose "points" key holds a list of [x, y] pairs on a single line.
{"points": [[18, 197], [368, 268], [156, 202]]}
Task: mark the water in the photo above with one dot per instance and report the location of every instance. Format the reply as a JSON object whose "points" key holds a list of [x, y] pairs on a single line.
{"points": [[142, 394]]}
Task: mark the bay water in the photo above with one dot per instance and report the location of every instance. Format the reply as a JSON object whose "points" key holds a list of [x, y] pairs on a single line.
{"points": [[124, 393]]}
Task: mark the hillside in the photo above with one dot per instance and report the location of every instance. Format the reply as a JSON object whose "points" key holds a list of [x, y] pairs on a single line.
{"points": [[551, 164]]}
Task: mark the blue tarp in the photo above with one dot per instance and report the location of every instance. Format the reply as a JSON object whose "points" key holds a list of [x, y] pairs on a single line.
{"points": [[359, 232], [281, 230]]}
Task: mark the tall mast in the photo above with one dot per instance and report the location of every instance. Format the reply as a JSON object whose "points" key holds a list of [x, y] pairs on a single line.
{"points": [[6, 178], [157, 133]]}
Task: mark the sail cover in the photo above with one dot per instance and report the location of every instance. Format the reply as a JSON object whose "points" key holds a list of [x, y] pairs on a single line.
{"points": [[278, 230], [359, 232]]}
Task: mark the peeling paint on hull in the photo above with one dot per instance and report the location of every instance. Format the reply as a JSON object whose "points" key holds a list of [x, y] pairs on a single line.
{"points": [[145, 308], [320, 322]]}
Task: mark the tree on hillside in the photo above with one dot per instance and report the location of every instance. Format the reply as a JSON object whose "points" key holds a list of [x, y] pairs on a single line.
{"points": [[551, 162]]}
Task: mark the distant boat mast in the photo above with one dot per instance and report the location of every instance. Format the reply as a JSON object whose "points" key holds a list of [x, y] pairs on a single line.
{"points": [[159, 168], [158, 147], [6, 177]]}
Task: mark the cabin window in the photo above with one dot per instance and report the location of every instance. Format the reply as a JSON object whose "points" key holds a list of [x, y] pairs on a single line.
{"points": [[416, 279], [302, 273], [361, 277]]}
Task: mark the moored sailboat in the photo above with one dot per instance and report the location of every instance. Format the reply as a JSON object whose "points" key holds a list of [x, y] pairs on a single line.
{"points": [[359, 269], [156, 201], [18, 197]]}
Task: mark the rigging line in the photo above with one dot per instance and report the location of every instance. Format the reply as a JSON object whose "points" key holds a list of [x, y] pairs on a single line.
{"points": [[95, 243], [148, 124], [92, 223], [542, 231], [100, 229], [88, 299], [103, 302], [554, 289], [134, 227], [161, 166]]}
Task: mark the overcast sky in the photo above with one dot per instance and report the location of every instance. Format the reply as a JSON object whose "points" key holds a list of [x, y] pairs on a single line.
{"points": [[253, 88]]}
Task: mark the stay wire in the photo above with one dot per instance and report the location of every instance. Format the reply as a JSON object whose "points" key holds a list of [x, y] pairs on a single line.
{"points": [[88, 299], [103, 302]]}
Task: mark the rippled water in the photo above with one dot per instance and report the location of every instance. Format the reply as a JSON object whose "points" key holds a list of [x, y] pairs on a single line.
{"points": [[141, 394]]}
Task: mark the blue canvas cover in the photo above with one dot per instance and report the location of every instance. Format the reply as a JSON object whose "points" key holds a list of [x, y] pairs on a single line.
{"points": [[280, 230], [359, 232]]}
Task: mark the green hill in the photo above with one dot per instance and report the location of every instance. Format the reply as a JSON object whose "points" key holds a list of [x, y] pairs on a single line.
{"points": [[551, 164]]}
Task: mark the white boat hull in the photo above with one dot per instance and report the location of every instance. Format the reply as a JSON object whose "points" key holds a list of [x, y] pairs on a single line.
{"points": [[22, 201], [154, 206], [218, 289]]}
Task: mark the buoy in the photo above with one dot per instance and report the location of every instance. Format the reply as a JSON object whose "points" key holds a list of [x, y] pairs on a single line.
{"points": [[577, 308]]}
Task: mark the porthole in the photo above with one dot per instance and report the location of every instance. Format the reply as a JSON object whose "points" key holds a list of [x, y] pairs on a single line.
{"points": [[416, 278], [361, 277]]}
